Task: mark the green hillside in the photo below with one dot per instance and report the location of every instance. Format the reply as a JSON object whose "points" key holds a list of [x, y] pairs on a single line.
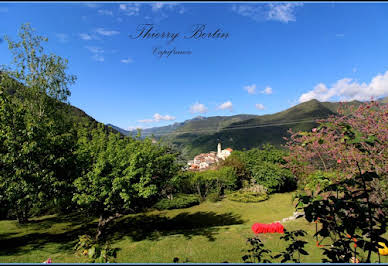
{"points": [[75, 113], [249, 131], [201, 134]]}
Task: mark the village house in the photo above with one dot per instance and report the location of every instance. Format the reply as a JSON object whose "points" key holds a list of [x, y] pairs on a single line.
{"points": [[205, 160]]}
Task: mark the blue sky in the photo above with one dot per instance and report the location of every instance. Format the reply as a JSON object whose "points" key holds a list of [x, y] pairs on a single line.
{"points": [[275, 56]]}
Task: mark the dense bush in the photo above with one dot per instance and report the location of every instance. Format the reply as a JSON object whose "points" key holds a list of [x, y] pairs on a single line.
{"points": [[236, 162], [178, 201], [274, 177], [341, 166], [213, 197], [266, 166], [205, 182], [246, 196]]}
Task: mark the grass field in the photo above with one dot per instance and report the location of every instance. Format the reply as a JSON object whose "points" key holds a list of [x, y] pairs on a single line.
{"points": [[210, 232]]}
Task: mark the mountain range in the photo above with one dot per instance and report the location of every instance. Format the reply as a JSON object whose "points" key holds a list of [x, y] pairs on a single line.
{"points": [[244, 131]]}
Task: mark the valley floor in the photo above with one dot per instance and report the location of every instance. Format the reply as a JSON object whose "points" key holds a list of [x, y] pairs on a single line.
{"points": [[210, 232]]}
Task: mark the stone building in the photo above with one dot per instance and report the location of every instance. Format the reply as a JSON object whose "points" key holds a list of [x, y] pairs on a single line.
{"points": [[205, 160]]}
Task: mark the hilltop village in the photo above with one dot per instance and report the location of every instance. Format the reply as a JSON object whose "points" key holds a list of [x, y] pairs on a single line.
{"points": [[205, 160]]}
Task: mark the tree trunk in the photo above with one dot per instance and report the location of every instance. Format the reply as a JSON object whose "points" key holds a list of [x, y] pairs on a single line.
{"points": [[22, 216], [102, 222], [199, 191]]}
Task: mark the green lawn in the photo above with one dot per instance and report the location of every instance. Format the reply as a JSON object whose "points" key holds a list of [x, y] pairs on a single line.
{"points": [[210, 232]]}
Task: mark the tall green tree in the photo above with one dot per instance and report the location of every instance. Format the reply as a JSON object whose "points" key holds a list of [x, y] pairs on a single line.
{"points": [[120, 174], [37, 139]]}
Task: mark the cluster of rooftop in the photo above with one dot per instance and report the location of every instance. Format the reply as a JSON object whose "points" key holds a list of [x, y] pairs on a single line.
{"points": [[205, 160]]}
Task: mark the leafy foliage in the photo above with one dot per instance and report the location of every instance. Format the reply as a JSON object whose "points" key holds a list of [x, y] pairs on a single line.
{"points": [[338, 144], [120, 174], [37, 140], [246, 196], [266, 167], [346, 157], [257, 254], [214, 197], [296, 246], [348, 217], [179, 201], [209, 181], [273, 177], [96, 252]]}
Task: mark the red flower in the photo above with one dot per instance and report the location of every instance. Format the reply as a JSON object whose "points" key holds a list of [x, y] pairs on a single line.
{"points": [[355, 241], [258, 228], [339, 161]]}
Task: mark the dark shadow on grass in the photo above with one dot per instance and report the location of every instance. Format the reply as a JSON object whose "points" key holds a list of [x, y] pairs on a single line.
{"points": [[72, 219], [67, 239], [138, 227], [153, 227]]}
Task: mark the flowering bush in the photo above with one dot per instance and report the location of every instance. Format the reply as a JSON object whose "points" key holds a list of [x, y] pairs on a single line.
{"points": [[341, 145], [342, 171]]}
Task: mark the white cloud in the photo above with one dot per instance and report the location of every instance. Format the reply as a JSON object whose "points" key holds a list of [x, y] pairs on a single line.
{"points": [[105, 32], [259, 106], [198, 108], [62, 37], [156, 7], [146, 121], [267, 90], [97, 53], [130, 9], [348, 90], [95, 49], [126, 61], [162, 10], [283, 12], [157, 118], [105, 12], [136, 127], [226, 106], [85, 36], [3, 9], [98, 58], [251, 89]]}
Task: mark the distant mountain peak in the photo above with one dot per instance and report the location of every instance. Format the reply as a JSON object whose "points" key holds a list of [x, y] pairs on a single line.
{"points": [[199, 117]]}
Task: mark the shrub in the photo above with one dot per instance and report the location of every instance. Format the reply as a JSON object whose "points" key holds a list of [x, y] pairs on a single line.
{"points": [[346, 158], [244, 196], [213, 197], [274, 177], [205, 182], [319, 180], [179, 201], [97, 253], [256, 188], [266, 166], [236, 162]]}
